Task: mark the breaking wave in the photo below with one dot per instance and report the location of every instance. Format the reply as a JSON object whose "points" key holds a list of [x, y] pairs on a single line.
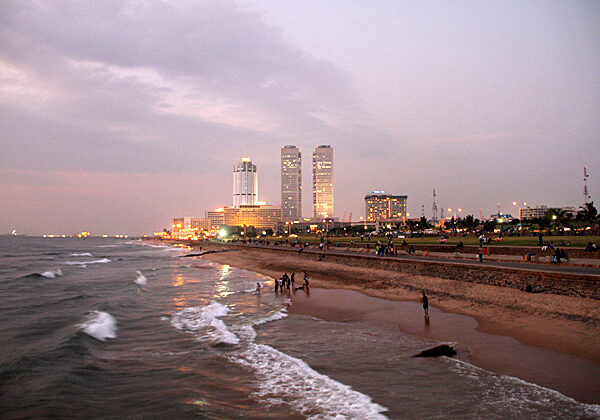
{"points": [[140, 280], [99, 325], [205, 323], [52, 274], [102, 261]]}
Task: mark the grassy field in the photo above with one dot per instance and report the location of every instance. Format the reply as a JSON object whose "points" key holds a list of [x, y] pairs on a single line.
{"points": [[569, 241]]}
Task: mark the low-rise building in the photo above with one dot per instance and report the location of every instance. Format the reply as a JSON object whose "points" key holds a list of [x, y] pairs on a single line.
{"points": [[216, 217], [385, 207], [538, 212], [258, 216]]}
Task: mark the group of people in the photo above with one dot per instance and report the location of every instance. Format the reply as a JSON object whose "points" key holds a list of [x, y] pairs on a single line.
{"points": [[385, 249], [286, 282]]}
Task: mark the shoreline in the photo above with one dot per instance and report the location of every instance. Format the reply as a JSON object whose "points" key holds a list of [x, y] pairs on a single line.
{"points": [[549, 323]]}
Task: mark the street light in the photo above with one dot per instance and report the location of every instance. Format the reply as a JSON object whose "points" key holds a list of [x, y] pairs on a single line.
{"points": [[520, 205]]}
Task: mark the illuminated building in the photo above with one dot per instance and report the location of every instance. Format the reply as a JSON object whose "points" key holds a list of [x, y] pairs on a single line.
{"points": [[258, 216], [322, 166], [539, 212], [381, 206], [189, 227], [245, 183], [215, 218], [291, 183]]}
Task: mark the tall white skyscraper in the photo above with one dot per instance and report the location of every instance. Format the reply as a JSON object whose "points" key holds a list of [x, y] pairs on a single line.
{"points": [[245, 183], [323, 182], [291, 183]]}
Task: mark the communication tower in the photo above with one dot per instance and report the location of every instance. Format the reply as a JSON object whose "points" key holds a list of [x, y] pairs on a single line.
{"points": [[434, 210], [586, 192]]}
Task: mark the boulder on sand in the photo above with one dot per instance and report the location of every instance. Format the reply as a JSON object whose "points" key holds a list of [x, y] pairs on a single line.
{"points": [[441, 350]]}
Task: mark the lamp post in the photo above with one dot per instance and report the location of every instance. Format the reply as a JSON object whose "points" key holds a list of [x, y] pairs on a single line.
{"points": [[520, 205]]}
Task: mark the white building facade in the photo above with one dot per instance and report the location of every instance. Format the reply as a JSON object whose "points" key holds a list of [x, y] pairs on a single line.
{"points": [[245, 183]]}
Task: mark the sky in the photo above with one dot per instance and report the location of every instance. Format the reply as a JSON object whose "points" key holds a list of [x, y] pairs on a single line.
{"points": [[116, 116]]}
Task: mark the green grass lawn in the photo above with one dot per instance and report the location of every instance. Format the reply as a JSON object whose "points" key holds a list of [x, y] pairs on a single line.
{"points": [[571, 241]]}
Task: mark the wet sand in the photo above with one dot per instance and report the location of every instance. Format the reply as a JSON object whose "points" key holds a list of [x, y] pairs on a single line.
{"points": [[573, 376], [549, 340]]}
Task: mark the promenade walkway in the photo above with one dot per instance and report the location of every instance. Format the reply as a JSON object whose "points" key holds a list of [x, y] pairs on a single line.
{"points": [[576, 266]]}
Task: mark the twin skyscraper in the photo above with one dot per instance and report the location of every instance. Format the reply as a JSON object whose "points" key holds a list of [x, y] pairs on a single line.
{"points": [[291, 182], [245, 183]]}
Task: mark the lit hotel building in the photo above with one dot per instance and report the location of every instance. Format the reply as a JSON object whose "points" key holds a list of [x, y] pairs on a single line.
{"points": [[291, 183], [215, 217], [245, 183], [381, 206], [258, 216], [323, 182]]}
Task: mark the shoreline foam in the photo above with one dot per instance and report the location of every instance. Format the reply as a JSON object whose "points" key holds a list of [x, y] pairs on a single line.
{"points": [[563, 324]]}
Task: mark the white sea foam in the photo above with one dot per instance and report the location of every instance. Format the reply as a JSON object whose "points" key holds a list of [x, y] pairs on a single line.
{"points": [[102, 261], [205, 323], [521, 395], [82, 254], [140, 280], [100, 325], [52, 274], [285, 379]]}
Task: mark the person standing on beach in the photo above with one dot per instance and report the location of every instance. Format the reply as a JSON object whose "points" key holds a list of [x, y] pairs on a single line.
{"points": [[425, 301], [293, 279], [276, 285], [306, 280]]}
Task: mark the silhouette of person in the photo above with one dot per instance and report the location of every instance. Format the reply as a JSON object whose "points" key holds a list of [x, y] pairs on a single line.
{"points": [[425, 301]]}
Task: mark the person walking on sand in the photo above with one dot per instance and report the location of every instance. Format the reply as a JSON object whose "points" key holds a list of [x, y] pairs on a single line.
{"points": [[425, 301]]}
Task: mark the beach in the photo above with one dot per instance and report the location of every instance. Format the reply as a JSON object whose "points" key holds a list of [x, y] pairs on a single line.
{"points": [[547, 339]]}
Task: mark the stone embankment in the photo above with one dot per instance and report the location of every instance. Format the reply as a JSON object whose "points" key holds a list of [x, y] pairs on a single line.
{"points": [[493, 250], [536, 281]]}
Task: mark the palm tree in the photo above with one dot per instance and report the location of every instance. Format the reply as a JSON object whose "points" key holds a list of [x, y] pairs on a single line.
{"points": [[589, 215], [559, 218]]}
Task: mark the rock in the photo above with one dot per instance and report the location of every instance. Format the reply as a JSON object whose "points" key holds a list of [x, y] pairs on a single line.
{"points": [[441, 350]]}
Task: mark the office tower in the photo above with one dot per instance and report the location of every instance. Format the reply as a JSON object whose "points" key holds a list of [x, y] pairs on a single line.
{"points": [[291, 183], [245, 183], [381, 206], [323, 182]]}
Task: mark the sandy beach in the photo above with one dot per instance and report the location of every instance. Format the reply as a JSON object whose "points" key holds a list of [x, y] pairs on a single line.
{"points": [[547, 339]]}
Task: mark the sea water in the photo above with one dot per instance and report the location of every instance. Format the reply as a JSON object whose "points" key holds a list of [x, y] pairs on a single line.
{"points": [[107, 328]]}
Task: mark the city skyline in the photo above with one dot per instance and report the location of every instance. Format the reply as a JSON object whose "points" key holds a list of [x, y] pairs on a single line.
{"points": [[118, 115]]}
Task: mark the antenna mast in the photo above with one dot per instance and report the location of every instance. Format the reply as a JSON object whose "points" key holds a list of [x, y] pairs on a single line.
{"points": [[586, 193], [434, 210]]}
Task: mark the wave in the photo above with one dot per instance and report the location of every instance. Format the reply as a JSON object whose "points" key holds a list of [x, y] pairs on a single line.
{"points": [[523, 396], [285, 379], [52, 274], [205, 323], [140, 280], [82, 254], [99, 325], [102, 261]]}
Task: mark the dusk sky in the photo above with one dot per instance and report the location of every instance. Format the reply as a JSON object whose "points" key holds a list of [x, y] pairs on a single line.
{"points": [[116, 116]]}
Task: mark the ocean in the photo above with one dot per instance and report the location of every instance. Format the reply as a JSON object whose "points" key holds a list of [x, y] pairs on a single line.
{"points": [[106, 328]]}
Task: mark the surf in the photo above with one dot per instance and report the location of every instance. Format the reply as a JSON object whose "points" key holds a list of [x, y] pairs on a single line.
{"points": [[99, 325]]}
